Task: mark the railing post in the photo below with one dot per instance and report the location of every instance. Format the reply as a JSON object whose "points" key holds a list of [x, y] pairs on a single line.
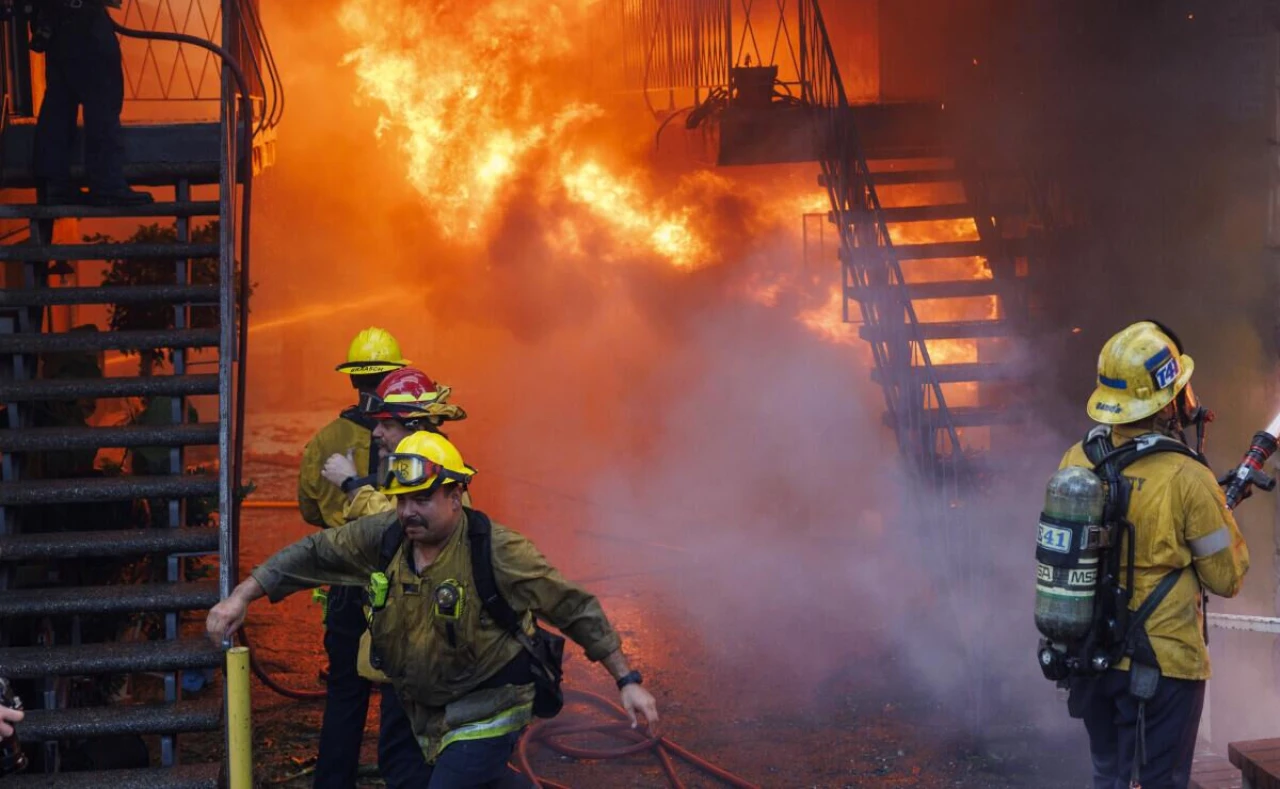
{"points": [[18, 65], [228, 172]]}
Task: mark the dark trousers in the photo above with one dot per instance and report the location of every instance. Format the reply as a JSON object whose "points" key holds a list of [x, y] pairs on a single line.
{"points": [[1172, 720], [82, 69], [346, 703], [346, 707], [478, 764], [400, 759]]}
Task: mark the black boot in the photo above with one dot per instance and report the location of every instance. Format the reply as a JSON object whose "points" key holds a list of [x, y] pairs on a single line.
{"points": [[59, 193]]}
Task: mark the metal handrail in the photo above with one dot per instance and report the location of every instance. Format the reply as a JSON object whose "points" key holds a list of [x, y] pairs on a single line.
{"points": [[234, 168], [248, 43], [854, 200]]}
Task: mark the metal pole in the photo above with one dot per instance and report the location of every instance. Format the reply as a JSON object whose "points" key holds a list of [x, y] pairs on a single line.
{"points": [[226, 311], [239, 720], [21, 98]]}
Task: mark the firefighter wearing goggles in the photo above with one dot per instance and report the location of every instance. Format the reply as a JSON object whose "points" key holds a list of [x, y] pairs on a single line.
{"points": [[373, 354], [461, 676]]}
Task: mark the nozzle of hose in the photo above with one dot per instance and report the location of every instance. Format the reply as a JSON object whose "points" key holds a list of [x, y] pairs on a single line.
{"points": [[1249, 473]]}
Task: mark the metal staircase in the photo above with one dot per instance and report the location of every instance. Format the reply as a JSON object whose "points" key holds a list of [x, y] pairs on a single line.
{"points": [[935, 308], [945, 313], [91, 550]]}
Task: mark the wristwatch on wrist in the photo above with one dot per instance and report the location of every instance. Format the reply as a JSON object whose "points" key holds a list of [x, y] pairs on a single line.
{"points": [[630, 678], [349, 484]]}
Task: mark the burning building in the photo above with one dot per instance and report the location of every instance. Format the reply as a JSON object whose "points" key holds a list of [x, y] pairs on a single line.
{"points": [[772, 319]]}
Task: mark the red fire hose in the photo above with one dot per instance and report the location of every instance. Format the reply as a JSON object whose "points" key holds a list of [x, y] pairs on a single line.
{"points": [[551, 733]]}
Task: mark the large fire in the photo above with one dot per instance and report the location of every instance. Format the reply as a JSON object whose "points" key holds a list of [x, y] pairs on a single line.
{"points": [[477, 97], [483, 100]]}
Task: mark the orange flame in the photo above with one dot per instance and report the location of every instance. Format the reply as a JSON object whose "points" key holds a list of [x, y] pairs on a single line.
{"points": [[471, 94]]}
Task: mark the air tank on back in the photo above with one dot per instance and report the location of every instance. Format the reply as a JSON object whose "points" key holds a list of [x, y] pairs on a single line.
{"points": [[1067, 554]]}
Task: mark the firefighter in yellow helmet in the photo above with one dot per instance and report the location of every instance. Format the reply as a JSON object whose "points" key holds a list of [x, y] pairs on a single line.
{"points": [[372, 355], [1183, 540], [405, 402], [454, 618]]}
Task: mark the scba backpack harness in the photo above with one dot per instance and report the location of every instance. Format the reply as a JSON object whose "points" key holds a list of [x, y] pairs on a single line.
{"points": [[1115, 633], [545, 649]]}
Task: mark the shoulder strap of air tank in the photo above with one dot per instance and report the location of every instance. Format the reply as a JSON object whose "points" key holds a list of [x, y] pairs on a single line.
{"points": [[479, 536], [391, 539], [1097, 444]]}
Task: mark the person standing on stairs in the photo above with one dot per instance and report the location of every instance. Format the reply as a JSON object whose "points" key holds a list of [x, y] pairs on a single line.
{"points": [[373, 354], [83, 68]]}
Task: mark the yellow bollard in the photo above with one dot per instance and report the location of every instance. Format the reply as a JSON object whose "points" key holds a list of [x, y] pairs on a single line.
{"points": [[239, 725]]}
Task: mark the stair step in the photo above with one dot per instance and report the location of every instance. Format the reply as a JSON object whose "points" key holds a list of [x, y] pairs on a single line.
{"points": [[120, 542], [43, 252], [183, 776], [183, 716], [114, 657], [120, 599], [54, 439], [962, 373], [927, 213], [33, 211], [155, 154], [112, 294], [956, 249], [55, 491], [944, 330], [126, 386], [108, 340], [946, 289], [898, 177]]}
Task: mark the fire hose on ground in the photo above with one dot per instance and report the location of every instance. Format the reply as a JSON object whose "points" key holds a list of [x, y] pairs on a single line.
{"points": [[265, 678], [551, 733]]}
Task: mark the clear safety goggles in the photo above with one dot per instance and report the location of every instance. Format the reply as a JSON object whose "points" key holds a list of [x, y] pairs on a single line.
{"points": [[411, 470]]}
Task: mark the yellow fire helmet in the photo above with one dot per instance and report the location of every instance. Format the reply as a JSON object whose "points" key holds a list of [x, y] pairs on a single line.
{"points": [[1139, 372], [373, 351], [423, 461]]}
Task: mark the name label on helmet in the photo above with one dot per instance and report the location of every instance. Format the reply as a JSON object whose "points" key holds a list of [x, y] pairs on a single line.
{"points": [[1110, 408], [362, 369], [1054, 538], [1164, 369]]}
